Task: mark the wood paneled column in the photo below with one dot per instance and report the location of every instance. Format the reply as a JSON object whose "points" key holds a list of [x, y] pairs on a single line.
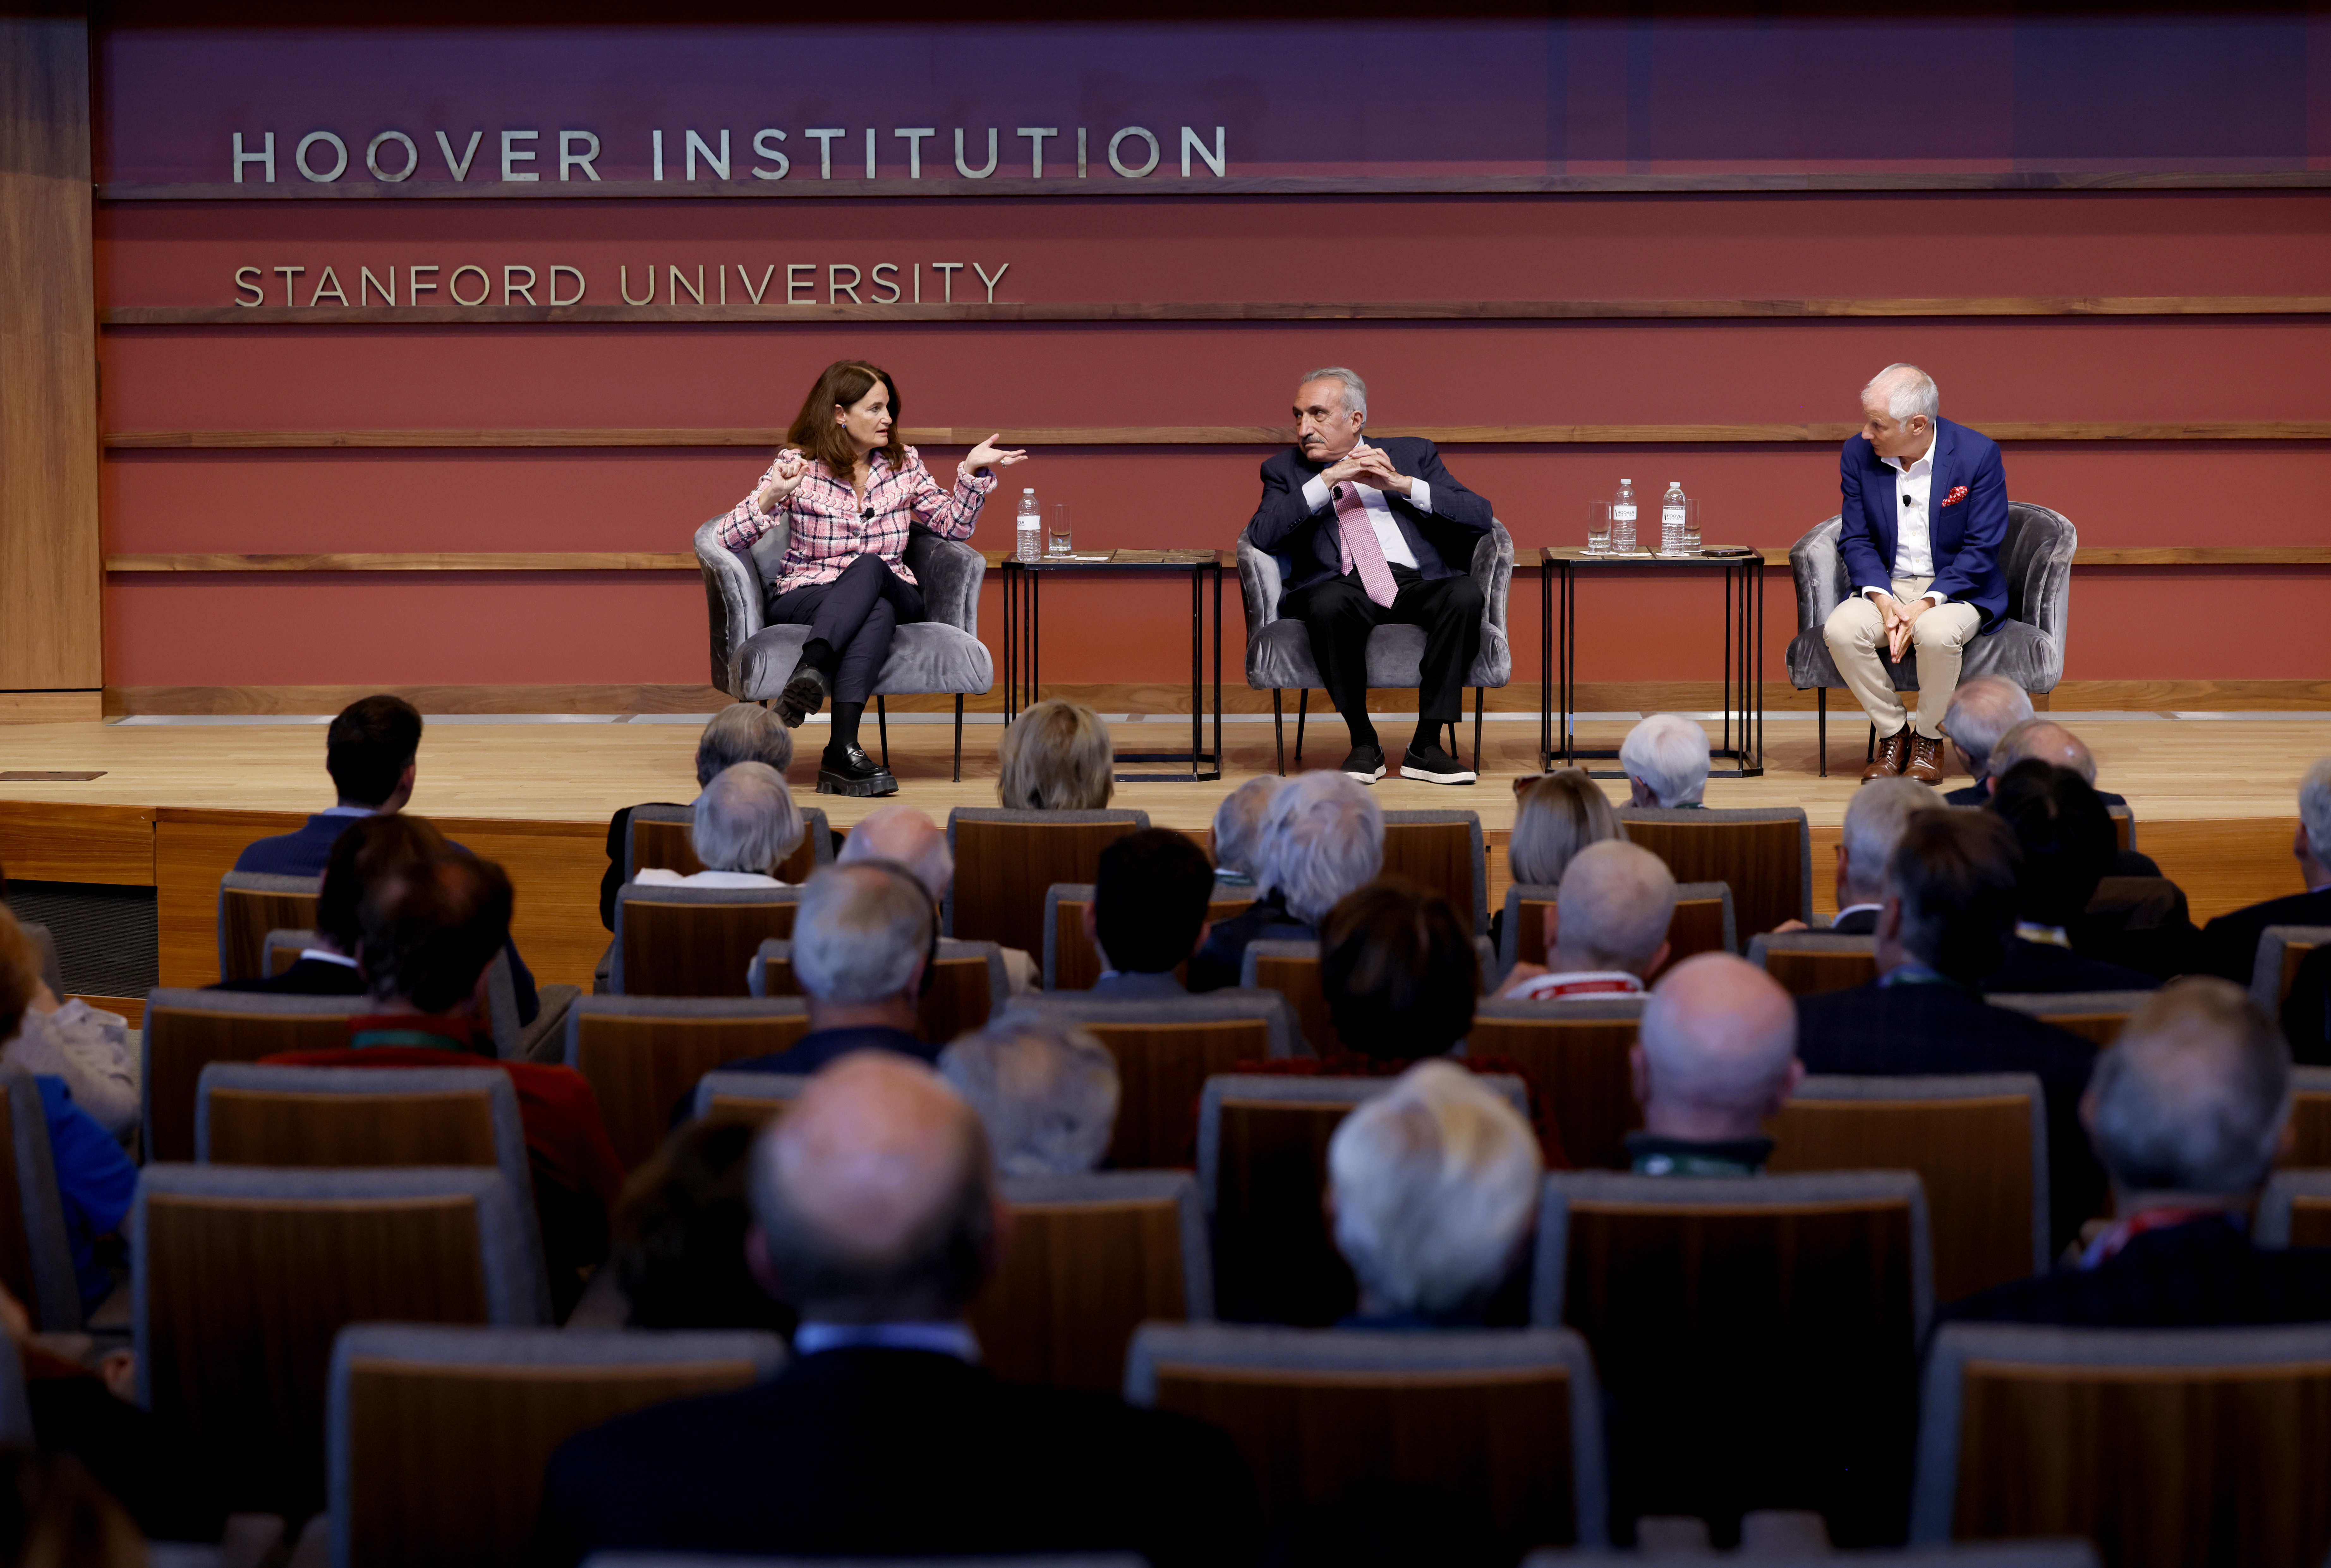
{"points": [[51, 645]]}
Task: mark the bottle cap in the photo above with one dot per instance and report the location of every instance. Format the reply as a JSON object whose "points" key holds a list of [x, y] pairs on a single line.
{"points": [[1626, 481]]}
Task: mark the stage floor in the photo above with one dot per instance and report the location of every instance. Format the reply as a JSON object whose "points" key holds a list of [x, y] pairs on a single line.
{"points": [[174, 802]]}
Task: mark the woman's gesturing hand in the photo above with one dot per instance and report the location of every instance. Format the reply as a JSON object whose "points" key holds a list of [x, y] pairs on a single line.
{"points": [[787, 480], [987, 454]]}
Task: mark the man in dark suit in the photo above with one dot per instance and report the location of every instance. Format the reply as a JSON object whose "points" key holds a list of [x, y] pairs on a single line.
{"points": [[877, 1215], [1865, 847], [1322, 836], [1370, 534], [2066, 845], [2230, 943], [1950, 903], [368, 850], [865, 936], [371, 751], [1925, 509], [1148, 912], [2189, 1112]]}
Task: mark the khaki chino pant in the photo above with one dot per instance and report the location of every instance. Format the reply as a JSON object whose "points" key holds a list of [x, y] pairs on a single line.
{"points": [[1856, 630]]}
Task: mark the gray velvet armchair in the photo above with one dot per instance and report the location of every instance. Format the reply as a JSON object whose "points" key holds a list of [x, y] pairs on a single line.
{"points": [[2029, 649], [752, 660], [1279, 651]]}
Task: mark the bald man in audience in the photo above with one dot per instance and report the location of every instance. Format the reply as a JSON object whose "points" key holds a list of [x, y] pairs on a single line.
{"points": [[877, 1216], [1981, 711], [1716, 1055], [905, 835], [1608, 928]]}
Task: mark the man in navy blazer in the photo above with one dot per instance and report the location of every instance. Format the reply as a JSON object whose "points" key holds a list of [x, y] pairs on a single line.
{"points": [[1925, 508], [1370, 533]]}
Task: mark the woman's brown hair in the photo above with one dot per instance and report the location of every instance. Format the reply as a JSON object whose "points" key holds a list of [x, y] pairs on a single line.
{"points": [[815, 434]]}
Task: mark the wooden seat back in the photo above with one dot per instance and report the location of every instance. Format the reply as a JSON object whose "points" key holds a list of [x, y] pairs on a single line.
{"points": [[1292, 969], [1161, 1069], [2310, 1119], [1763, 855], [748, 1098], [1004, 862], [187, 1031], [660, 837], [2096, 1016], [1576, 1053], [256, 1126], [1442, 850], [1703, 922], [642, 1059], [249, 907], [669, 944], [1071, 962], [2274, 966], [964, 993], [1806, 963]]}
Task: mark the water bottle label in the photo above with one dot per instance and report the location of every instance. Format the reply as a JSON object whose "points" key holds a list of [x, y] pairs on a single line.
{"points": [[1671, 516], [1623, 512]]}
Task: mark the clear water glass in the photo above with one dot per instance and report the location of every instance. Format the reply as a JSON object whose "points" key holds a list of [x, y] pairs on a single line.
{"points": [[1057, 538], [1691, 524], [1598, 528]]}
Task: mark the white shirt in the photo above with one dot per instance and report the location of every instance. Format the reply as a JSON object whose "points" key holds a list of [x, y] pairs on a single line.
{"points": [[662, 877], [1914, 543], [1378, 506]]}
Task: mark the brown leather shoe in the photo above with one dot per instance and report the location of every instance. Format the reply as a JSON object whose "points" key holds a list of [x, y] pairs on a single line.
{"points": [[1926, 761], [1893, 756]]}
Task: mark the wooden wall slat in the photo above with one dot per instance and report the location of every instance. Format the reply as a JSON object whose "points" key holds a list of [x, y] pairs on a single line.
{"points": [[51, 588], [57, 842]]}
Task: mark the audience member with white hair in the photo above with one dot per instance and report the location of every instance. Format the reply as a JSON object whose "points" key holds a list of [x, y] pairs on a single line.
{"points": [[2230, 943], [1608, 928], [1432, 1188], [862, 936], [1237, 830], [1873, 826], [740, 732], [877, 1217], [1716, 1055], [1322, 836], [746, 825], [1045, 1090], [903, 834], [1666, 759], [2189, 1112], [1983, 709]]}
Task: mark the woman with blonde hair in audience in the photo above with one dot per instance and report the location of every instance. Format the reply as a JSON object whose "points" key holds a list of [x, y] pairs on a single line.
{"points": [[1555, 815], [1056, 758]]}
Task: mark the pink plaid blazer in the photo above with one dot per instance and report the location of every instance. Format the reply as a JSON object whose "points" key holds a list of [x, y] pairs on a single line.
{"points": [[827, 530]]}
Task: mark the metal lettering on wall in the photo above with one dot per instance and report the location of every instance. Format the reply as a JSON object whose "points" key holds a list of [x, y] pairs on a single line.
{"points": [[472, 286]]}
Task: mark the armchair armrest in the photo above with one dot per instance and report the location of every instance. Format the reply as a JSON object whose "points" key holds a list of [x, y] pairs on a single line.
{"points": [[1820, 573], [951, 573], [732, 595], [1493, 573], [1259, 584]]}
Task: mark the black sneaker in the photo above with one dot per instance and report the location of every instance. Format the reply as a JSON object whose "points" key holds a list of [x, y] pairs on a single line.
{"points": [[850, 771], [1433, 766], [1365, 763], [803, 695]]}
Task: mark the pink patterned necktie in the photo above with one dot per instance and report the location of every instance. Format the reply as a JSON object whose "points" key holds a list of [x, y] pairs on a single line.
{"points": [[1358, 545]]}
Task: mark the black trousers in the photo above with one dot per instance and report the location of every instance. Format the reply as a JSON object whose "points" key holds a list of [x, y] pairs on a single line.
{"points": [[856, 615], [1338, 614]]}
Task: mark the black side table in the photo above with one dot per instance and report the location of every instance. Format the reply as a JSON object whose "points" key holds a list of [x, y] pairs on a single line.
{"points": [[1022, 580], [1744, 653]]}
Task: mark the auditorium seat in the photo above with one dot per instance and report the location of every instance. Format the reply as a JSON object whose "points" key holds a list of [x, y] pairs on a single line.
{"points": [[37, 1260], [513, 1041], [2164, 1446], [2053, 1553], [2027, 648], [1006, 860], [940, 655], [1703, 922], [2093, 1015], [1262, 1165], [1292, 969], [658, 836], [440, 1434], [1071, 961], [2281, 949], [968, 982], [250, 906], [2123, 821], [187, 1031], [1575, 1053], [1806, 963], [1501, 1424], [1091, 1259], [694, 941], [240, 1276], [1756, 1337], [1764, 854], [2294, 1210], [2310, 1118], [1979, 1144], [1442, 850], [751, 1097], [1279, 650], [641, 1055], [1165, 1050]]}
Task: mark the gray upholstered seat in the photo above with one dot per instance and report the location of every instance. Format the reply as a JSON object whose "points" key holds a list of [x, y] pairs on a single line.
{"points": [[1279, 651], [2028, 649], [2284, 1192], [752, 660], [55, 1306], [2267, 967], [777, 1088]]}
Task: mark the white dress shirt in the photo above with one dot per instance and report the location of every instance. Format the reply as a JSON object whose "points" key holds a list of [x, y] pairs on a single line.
{"points": [[1378, 505], [1914, 541], [662, 877]]}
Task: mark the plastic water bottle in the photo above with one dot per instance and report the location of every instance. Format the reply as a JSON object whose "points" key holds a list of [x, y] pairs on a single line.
{"points": [[1622, 519], [1672, 513], [1029, 542]]}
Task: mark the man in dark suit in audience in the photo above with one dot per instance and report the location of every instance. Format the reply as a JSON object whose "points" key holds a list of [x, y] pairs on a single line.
{"points": [[2306, 1011], [1873, 826], [1149, 912], [372, 752], [1982, 711], [2189, 1112], [2045, 740], [2230, 943], [368, 849], [864, 938], [1950, 903], [1321, 837], [877, 1215], [2066, 843], [1716, 1059]]}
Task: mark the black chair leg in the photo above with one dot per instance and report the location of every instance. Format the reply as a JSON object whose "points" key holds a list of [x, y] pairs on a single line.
{"points": [[883, 723], [1279, 731], [1871, 754], [1477, 729], [1302, 712], [959, 738], [1820, 722]]}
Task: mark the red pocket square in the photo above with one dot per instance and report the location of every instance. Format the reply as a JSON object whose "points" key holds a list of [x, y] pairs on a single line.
{"points": [[1958, 493]]}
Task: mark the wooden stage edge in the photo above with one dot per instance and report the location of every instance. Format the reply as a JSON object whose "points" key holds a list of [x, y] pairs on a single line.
{"points": [[170, 806]]}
